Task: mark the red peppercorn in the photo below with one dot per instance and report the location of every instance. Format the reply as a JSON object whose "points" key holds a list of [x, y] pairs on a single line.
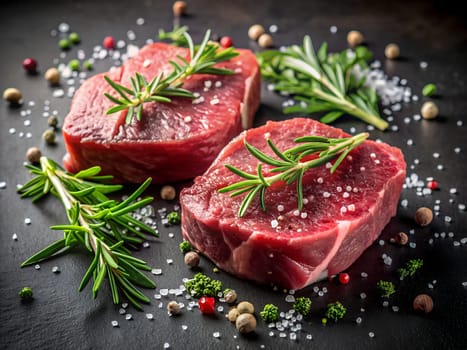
{"points": [[207, 305], [226, 42], [344, 278], [432, 185], [109, 42], [30, 65]]}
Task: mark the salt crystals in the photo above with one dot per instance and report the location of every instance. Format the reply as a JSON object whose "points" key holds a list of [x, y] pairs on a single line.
{"points": [[114, 323], [14, 237], [2, 185], [320, 180]]}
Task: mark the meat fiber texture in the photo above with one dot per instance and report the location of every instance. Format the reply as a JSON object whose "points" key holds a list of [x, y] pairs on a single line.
{"points": [[173, 141], [343, 212]]}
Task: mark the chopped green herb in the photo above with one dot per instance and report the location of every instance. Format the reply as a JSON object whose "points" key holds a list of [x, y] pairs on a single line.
{"points": [[302, 305], [202, 285], [335, 311], [174, 218], [270, 313], [429, 90], [185, 247], [410, 268], [386, 288], [26, 293]]}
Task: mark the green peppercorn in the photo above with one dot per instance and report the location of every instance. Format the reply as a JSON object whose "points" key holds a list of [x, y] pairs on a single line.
{"points": [[49, 136], [74, 38], [26, 293], [87, 65], [74, 65], [52, 121], [429, 89], [64, 44]]}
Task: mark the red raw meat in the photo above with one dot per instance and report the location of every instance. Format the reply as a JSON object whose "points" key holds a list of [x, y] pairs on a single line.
{"points": [[174, 141], [326, 237]]}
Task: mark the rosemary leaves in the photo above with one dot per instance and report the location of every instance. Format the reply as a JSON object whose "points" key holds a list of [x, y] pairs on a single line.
{"points": [[202, 60], [102, 225], [322, 82], [289, 166]]}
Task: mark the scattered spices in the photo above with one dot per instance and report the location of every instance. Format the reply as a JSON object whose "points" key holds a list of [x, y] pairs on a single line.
{"points": [[88, 65], [386, 288], [30, 65], [270, 313], [230, 296], [168, 193], [302, 305], [354, 38], [423, 216], [392, 51], [245, 323], [33, 155], [185, 247], [202, 285], [429, 110], [410, 268], [74, 38], [344, 278], [52, 75], [26, 293], [401, 238], [191, 259], [245, 307], [52, 121], [207, 305], [12, 95], [174, 217], [255, 31], [265, 40], [179, 8], [49, 136], [432, 185], [226, 42], [64, 44], [429, 90], [109, 42], [423, 303], [335, 311], [173, 308], [233, 314], [74, 65]]}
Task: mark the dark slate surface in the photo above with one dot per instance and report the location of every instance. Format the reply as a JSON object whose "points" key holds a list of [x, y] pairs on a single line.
{"points": [[61, 318]]}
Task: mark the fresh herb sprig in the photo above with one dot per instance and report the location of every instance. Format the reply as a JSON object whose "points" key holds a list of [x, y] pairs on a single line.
{"points": [[176, 36], [102, 225], [202, 60], [322, 82], [289, 166]]}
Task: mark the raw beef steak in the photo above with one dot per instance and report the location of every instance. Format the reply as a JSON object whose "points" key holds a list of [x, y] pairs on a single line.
{"points": [[174, 141], [343, 213]]}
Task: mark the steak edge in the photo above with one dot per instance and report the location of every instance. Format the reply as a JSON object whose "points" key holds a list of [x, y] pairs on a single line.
{"points": [[343, 212], [173, 141]]}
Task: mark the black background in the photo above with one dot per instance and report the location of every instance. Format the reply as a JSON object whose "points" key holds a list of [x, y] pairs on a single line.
{"points": [[61, 318]]}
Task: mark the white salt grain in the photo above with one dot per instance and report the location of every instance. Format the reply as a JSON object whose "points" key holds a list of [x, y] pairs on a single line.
{"points": [[114, 323]]}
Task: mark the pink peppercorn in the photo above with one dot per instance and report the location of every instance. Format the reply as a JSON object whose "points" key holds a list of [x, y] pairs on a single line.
{"points": [[30, 65], [226, 42], [344, 278], [207, 305], [432, 185], [109, 42]]}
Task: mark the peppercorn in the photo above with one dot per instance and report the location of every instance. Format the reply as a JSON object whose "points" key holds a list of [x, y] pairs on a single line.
{"points": [[255, 31], [423, 216], [12, 95], [245, 323], [207, 305], [401, 238], [245, 307], [74, 65], [173, 308], [64, 44], [74, 38], [233, 314], [52, 75], [226, 42], [265, 41], [49, 136], [191, 259], [423, 302], [30, 65], [429, 110], [230, 296], [432, 185], [354, 38], [26, 293], [33, 155], [109, 42], [52, 121], [88, 65], [344, 278], [168, 193], [179, 8], [392, 51]]}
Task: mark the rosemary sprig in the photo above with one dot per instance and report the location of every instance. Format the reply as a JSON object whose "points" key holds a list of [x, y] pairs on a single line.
{"points": [[202, 60], [289, 166], [322, 82], [102, 225], [176, 36]]}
